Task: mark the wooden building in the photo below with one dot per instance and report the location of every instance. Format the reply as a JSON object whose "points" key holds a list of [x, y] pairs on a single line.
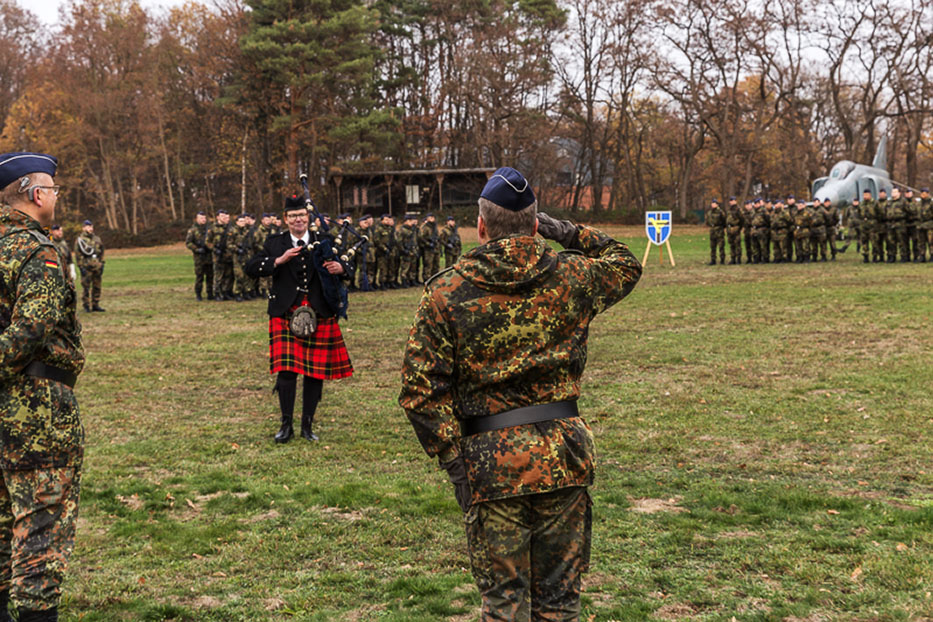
{"points": [[397, 192]]}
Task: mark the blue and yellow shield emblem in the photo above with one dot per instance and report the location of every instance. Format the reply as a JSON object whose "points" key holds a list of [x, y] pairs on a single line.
{"points": [[658, 226]]}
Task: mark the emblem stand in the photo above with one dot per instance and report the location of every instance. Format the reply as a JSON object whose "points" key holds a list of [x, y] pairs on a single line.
{"points": [[658, 229]]}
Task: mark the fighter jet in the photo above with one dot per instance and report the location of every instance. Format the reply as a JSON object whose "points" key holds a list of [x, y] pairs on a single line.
{"points": [[849, 180]]}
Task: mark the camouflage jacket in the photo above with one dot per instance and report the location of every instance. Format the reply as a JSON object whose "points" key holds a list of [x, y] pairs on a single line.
{"points": [[896, 213], [89, 251], [241, 240], [62, 247], [761, 219], [715, 219], [817, 218], [39, 422], [734, 219], [866, 212], [911, 212], [427, 237], [384, 239], [926, 213], [259, 238], [408, 240], [220, 241], [506, 327], [450, 239], [781, 219], [196, 240]]}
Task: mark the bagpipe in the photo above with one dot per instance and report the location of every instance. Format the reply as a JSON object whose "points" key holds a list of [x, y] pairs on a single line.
{"points": [[322, 250]]}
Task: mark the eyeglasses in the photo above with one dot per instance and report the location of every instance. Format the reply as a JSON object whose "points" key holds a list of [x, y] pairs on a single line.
{"points": [[55, 189], [296, 216]]}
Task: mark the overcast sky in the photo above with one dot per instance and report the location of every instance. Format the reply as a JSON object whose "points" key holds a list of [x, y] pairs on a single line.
{"points": [[47, 10]]}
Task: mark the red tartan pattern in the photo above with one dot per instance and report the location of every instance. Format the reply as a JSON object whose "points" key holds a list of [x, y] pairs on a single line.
{"points": [[323, 355]]}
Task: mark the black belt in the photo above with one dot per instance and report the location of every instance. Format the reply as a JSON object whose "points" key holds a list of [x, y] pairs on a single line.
{"points": [[50, 372], [519, 416]]}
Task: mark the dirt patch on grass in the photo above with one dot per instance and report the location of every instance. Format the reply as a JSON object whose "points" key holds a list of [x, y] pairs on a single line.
{"points": [[652, 506], [738, 535], [270, 515], [364, 613], [347, 515], [675, 611], [206, 602]]}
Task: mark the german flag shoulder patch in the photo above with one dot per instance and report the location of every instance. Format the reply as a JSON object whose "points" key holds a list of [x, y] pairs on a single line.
{"points": [[51, 263]]}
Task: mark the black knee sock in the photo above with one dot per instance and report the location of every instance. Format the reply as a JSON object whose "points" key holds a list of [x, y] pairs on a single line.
{"points": [[311, 395], [286, 384]]}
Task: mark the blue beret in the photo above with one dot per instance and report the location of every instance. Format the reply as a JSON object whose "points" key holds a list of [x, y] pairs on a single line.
{"points": [[429, 214], [716, 201], [16, 165], [221, 211], [508, 189], [449, 218], [294, 202], [201, 214], [732, 198], [56, 227], [882, 190], [790, 196], [924, 189], [88, 222], [386, 215]]}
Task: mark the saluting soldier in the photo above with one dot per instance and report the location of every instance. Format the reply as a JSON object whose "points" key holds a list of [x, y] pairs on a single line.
{"points": [[716, 221], [41, 356], [90, 260], [490, 383], [430, 248], [314, 348], [196, 241], [925, 228], [450, 240], [219, 240], [58, 239]]}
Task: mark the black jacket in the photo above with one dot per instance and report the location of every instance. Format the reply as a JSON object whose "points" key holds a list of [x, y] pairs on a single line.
{"points": [[289, 279]]}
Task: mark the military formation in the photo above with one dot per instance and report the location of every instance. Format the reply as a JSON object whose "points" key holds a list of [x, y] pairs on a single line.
{"points": [[383, 255], [783, 231]]}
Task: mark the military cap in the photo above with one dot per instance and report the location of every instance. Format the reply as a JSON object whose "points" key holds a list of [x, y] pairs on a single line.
{"points": [[732, 198], [343, 216], [201, 214], [411, 216], [294, 202], [826, 200], [883, 190], [508, 189], [364, 217], [56, 227], [451, 218], [429, 214], [716, 201], [910, 190], [19, 164], [386, 215], [924, 189], [790, 196], [866, 191], [222, 211]]}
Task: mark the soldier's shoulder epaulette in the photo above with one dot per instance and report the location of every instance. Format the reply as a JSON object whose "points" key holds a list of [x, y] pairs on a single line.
{"points": [[444, 271], [41, 238], [571, 251]]}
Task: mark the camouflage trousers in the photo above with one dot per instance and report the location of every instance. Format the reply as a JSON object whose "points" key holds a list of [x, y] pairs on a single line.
{"points": [[38, 512], [780, 241], [431, 263], [802, 242], [408, 268], [925, 237], [717, 242], [528, 555], [760, 239], [749, 243], [913, 242], [818, 242], [384, 269], [735, 246], [450, 258], [242, 283], [868, 238], [90, 286], [203, 271], [223, 277], [365, 276]]}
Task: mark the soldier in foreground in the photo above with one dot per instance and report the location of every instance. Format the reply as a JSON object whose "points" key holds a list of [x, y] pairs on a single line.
{"points": [[40, 357], [90, 259], [490, 382], [196, 241]]}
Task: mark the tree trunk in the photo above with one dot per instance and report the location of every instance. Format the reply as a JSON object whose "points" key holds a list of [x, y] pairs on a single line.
{"points": [[168, 175]]}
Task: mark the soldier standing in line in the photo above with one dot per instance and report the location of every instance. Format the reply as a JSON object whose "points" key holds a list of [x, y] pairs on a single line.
{"points": [[802, 221], [734, 223], [490, 383], [925, 228], [430, 249], [366, 254], [450, 240], [747, 215], [716, 221], [769, 214], [196, 241], [58, 239], [831, 222], [242, 247], [408, 250], [760, 225], [817, 232], [219, 240], [912, 218], [792, 209], [263, 231], [781, 223], [853, 225], [896, 219], [868, 225], [386, 252], [41, 356], [90, 260], [886, 246]]}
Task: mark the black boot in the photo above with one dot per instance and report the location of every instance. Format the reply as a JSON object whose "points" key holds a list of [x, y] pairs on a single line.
{"points": [[97, 307], [306, 432], [38, 615], [286, 432], [87, 307], [198, 296], [311, 396]]}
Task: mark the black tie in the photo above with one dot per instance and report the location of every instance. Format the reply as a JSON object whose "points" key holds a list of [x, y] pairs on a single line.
{"points": [[300, 243]]}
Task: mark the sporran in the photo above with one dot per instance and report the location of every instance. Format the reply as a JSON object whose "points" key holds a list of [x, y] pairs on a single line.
{"points": [[303, 322]]}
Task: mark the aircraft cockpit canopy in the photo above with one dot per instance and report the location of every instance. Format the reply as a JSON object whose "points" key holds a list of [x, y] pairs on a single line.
{"points": [[842, 170]]}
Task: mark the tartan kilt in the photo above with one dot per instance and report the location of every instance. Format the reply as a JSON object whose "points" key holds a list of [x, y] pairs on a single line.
{"points": [[323, 355]]}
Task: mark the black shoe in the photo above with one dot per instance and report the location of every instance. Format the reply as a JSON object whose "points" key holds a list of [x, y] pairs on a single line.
{"points": [[98, 308], [306, 432], [864, 259], [712, 263], [87, 307], [286, 432], [38, 615], [198, 296], [210, 296], [239, 298]]}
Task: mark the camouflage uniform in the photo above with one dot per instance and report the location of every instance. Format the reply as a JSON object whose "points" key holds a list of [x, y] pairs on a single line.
{"points": [[802, 221], [450, 240], [868, 230], [896, 221], [506, 328], [220, 241], [747, 215], [386, 255], [716, 221], [259, 241], [925, 228], [196, 241], [62, 247], [782, 223], [761, 227], [89, 255], [817, 233], [734, 223], [831, 222], [408, 254], [912, 219], [884, 239], [430, 251], [242, 243], [42, 437]]}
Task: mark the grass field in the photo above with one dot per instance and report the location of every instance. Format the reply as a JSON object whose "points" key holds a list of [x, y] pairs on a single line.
{"points": [[764, 436]]}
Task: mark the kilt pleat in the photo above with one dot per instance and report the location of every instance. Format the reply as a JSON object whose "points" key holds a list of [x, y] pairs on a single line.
{"points": [[323, 355]]}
